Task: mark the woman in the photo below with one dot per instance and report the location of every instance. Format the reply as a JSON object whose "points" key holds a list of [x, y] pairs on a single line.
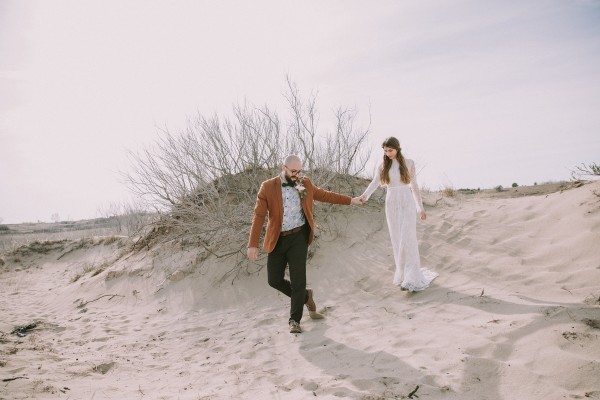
{"points": [[402, 202]]}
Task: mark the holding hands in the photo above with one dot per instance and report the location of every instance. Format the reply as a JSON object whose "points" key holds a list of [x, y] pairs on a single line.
{"points": [[356, 201], [359, 200]]}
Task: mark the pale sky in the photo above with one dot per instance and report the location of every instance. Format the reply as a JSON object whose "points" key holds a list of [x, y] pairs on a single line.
{"points": [[480, 93]]}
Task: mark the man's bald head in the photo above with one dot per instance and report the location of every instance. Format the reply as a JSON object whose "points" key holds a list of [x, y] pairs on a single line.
{"points": [[292, 159]]}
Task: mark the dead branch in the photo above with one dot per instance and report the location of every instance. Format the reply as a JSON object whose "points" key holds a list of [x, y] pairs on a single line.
{"points": [[411, 394], [83, 304], [14, 379]]}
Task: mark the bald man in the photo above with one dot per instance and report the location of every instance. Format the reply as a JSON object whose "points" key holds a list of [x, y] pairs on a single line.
{"points": [[287, 200]]}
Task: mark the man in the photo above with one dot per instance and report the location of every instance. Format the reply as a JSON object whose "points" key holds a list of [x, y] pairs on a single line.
{"points": [[288, 201]]}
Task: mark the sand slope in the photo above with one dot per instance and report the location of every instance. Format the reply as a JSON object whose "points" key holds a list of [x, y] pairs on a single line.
{"points": [[514, 314]]}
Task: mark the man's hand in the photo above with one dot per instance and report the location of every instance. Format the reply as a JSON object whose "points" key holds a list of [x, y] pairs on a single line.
{"points": [[252, 253], [356, 201]]}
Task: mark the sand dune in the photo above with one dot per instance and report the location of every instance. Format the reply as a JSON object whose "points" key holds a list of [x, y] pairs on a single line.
{"points": [[514, 314]]}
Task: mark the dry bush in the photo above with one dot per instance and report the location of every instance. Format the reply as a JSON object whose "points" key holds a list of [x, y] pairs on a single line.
{"points": [[85, 269], [203, 181], [128, 218], [448, 191], [585, 170]]}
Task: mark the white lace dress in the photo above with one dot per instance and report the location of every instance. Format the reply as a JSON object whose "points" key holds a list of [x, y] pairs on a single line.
{"points": [[402, 202]]}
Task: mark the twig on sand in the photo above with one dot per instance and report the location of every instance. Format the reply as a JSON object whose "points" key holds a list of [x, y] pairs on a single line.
{"points": [[83, 304], [14, 379], [564, 288], [411, 394]]}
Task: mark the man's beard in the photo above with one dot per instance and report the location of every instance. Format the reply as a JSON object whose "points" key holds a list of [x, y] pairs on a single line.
{"points": [[289, 180]]}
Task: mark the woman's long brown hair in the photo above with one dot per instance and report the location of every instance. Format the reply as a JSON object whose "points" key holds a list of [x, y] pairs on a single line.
{"points": [[387, 163]]}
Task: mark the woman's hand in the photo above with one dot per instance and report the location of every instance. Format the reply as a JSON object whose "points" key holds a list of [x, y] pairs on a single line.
{"points": [[423, 216]]}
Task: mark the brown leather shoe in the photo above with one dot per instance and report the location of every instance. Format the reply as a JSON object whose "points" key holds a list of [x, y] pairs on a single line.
{"points": [[312, 307]]}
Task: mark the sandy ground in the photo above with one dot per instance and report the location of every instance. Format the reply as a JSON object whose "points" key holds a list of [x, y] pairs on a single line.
{"points": [[514, 314]]}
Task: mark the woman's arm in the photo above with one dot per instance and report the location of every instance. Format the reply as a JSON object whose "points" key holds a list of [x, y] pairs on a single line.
{"points": [[375, 183]]}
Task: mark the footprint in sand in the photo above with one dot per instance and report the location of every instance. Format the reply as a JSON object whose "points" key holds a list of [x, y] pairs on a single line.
{"points": [[445, 227], [551, 312], [592, 323], [265, 322], [424, 247], [194, 329], [103, 368], [592, 300], [368, 285], [579, 338]]}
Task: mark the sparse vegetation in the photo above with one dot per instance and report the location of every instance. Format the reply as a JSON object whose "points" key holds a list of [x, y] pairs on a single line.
{"points": [[111, 239], [128, 218], [499, 188], [203, 181], [448, 191], [86, 269], [28, 233], [585, 170], [98, 270], [515, 185], [468, 191]]}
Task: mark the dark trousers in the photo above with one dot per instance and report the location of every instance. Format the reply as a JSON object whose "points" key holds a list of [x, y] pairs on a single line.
{"points": [[290, 251]]}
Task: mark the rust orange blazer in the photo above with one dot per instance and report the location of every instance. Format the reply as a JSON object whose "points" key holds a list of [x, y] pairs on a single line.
{"points": [[269, 202]]}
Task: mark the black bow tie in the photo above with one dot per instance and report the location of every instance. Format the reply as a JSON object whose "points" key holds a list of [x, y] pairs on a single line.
{"points": [[288, 184]]}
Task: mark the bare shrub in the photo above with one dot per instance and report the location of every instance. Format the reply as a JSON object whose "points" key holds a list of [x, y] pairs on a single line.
{"points": [[128, 218], [203, 181], [585, 170], [340, 154]]}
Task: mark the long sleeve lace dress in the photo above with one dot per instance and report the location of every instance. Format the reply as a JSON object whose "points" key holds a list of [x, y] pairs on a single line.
{"points": [[402, 202]]}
